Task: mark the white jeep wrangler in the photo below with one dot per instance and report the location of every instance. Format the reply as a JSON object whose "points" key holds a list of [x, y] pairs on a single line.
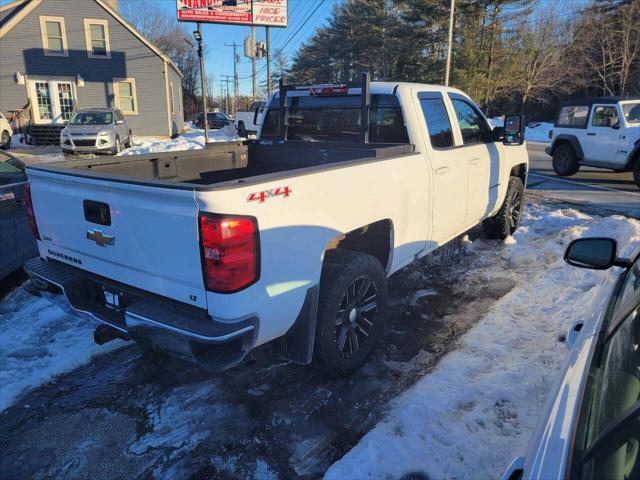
{"points": [[599, 132]]}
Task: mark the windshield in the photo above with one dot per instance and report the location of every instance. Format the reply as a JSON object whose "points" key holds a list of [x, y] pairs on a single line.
{"points": [[631, 112], [337, 118], [91, 118]]}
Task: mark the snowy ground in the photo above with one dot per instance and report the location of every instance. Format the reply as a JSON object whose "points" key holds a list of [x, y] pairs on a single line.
{"points": [[535, 132], [462, 419], [477, 409], [38, 342]]}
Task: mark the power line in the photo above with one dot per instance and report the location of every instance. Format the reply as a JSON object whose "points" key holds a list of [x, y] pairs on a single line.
{"points": [[292, 36]]}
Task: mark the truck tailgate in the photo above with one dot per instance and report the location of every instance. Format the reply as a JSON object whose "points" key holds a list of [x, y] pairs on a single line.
{"points": [[151, 241]]}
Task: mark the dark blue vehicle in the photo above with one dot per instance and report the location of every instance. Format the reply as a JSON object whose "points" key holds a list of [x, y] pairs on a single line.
{"points": [[17, 243]]}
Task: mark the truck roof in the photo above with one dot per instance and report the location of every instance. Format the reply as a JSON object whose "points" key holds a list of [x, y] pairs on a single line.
{"points": [[590, 101]]}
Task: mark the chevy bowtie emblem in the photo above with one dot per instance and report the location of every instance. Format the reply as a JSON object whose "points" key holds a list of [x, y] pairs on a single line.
{"points": [[100, 238]]}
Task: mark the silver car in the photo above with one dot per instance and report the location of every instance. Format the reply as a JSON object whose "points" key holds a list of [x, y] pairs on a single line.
{"points": [[96, 130]]}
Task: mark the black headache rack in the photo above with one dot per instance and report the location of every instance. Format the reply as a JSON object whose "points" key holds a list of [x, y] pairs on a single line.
{"points": [[365, 105]]}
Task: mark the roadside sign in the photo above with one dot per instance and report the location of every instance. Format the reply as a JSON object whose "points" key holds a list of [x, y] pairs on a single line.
{"points": [[272, 13]]}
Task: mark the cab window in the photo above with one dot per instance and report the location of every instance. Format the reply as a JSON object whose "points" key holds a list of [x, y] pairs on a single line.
{"points": [[604, 117], [337, 118], [473, 127]]}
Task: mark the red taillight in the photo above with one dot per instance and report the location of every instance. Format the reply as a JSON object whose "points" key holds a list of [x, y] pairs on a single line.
{"points": [[29, 204], [229, 252]]}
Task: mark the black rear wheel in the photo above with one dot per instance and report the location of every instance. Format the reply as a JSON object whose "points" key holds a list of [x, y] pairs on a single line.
{"points": [[564, 161], [636, 171], [351, 311]]}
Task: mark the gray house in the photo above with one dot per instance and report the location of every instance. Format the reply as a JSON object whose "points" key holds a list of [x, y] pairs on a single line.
{"points": [[57, 56]]}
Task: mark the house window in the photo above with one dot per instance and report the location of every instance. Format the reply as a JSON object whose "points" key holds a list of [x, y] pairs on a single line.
{"points": [[126, 98], [96, 34], [54, 36]]}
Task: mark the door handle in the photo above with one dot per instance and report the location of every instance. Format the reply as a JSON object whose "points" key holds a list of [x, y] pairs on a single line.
{"points": [[474, 161], [591, 134], [442, 170]]}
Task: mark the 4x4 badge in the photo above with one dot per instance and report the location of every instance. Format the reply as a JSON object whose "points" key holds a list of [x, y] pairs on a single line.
{"points": [[100, 238]]}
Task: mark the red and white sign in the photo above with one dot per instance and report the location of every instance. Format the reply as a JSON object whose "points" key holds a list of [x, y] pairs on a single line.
{"points": [[236, 12]]}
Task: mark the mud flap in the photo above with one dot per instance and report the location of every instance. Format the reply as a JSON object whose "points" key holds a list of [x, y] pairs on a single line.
{"points": [[297, 343]]}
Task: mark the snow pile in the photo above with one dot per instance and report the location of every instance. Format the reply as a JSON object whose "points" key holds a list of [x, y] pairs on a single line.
{"points": [[538, 132], [535, 131], [38, 342], [16, 143], [477, 409], [192, 139]]}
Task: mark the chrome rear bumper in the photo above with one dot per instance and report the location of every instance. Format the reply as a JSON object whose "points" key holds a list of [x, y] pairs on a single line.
{"points": [[161, 323]]}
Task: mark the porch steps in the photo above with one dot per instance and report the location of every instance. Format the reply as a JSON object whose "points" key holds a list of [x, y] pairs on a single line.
{"points": [[45, 134]]}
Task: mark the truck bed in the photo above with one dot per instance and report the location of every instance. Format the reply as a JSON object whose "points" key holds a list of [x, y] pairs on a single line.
{"points": [[226, 161]]}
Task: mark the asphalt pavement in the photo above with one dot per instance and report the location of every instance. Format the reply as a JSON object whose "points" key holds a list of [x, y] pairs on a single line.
{"points": [[606, 190]]}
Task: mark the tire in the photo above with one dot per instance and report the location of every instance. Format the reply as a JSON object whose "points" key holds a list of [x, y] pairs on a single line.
{"points": [[351, 311], [117, 148], [242, 131], [5, 140], [129, 140], [507, 220], [564, 161], [636, 171]]}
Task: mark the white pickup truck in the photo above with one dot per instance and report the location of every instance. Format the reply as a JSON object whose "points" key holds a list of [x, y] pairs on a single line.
{"points": [[208, 254]]}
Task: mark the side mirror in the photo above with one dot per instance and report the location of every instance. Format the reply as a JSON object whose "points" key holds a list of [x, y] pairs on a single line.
{"points": [[255, 115], [514, 126], [616, 126], [594, 253], [119, 122], [65, 123]]}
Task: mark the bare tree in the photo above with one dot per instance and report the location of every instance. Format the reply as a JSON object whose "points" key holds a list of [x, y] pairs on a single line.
{"points": [[607, 43]]}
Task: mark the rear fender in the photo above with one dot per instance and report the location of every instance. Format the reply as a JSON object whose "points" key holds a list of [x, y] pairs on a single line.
{"points": [[572, 140]]}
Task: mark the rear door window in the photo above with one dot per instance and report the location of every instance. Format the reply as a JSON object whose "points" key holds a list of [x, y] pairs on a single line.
{"points": [[337, 118], [573, 116], [437, 120]]}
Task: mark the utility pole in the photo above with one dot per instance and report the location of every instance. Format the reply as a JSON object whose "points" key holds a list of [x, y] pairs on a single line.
{"points": [[203, 84], [268, 62], [227, 79], [253, 62], [235, 74], [448, 66], [222, 96]]}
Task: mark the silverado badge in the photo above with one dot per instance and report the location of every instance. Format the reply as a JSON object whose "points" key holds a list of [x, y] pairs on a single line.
{"points": [[100, 238]]}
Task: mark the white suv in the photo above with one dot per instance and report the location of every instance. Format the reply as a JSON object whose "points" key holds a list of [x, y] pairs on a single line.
{"points": [[599, 132]]}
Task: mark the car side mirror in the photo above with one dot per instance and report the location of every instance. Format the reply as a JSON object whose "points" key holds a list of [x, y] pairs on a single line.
{"points": [[514, 126], [594, 253], [119, 122], [616, 126], [65, 123]]}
